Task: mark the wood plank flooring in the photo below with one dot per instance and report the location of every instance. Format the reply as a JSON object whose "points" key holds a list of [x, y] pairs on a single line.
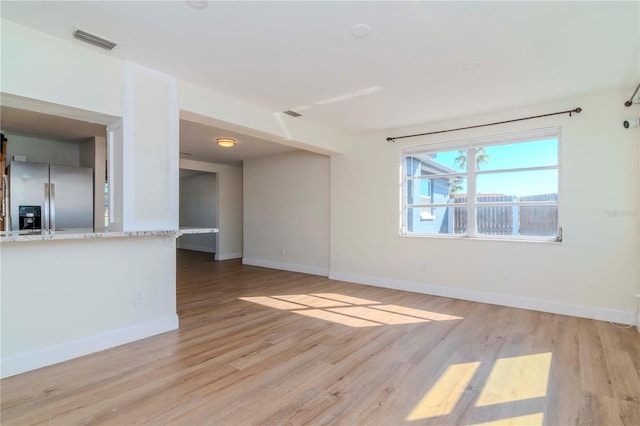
{"points": [[261, 346]]}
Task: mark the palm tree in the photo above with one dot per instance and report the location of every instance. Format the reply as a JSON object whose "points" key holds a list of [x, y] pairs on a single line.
{"points": [[461, 162], [455, 186], [481, 158]]}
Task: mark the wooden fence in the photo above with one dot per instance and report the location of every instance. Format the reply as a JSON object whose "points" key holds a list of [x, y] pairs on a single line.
{"points": [[539, 220], [499, 220]]}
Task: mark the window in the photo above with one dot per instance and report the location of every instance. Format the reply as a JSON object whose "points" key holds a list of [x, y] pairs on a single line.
{"points": [[504, 186]]}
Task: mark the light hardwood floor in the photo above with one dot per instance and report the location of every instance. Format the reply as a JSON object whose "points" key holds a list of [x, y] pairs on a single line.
{"points": [[260, 346]]}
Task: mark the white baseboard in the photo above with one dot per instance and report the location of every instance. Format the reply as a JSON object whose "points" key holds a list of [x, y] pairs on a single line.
{"points": [[77, 348], [197, 248], [583, 311], [227, 256], [313, 270]]}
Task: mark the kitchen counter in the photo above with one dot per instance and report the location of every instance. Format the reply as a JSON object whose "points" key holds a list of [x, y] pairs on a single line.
{"points": [[21, 236]]}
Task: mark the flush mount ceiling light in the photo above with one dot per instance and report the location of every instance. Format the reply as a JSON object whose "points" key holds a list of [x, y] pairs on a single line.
{"points": [[226, 142], [360, 30]]}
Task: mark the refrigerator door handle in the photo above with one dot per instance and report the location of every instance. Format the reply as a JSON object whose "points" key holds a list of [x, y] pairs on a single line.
{"points": [[52, 207], [45, 223]]}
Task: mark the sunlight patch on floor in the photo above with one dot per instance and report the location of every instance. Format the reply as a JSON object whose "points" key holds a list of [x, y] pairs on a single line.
{"points": [[348, 310], [418, 313], [445, 393], [381, 317], [272, 303], [516, 378], [346, 299], [511, 394], [310, 301], [335, 317]]}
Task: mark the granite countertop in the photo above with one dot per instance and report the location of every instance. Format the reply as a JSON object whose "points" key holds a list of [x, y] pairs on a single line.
{"points": [[19, 236]]}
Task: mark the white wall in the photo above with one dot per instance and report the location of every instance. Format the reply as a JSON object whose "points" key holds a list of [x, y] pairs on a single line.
{"points": [[40, 150], [79, 298], [592, 273], [198, 208], [286, 212], [229, 206], [39, 66], [150, 150]]}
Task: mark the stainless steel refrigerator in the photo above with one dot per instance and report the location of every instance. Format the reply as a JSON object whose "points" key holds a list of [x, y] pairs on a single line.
{"points": [[50, 197]]}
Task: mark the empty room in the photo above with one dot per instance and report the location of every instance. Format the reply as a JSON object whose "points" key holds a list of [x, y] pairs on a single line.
{"points": [[320, 212]]}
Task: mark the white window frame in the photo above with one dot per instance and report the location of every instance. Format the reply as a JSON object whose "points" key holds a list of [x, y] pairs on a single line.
{"points": [[471, 173]]}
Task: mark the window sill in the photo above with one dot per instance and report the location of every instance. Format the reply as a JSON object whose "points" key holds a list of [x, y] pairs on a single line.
{"points": [[549, 240]]}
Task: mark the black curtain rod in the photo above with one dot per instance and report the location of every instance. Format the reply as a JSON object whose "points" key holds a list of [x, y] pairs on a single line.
{"points": [[571, 111], [630, 101]]}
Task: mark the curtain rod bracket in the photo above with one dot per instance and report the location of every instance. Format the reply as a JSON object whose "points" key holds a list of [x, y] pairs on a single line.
{"points": [[630, 101]]}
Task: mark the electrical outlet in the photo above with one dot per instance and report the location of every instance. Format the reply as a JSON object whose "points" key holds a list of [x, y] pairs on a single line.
{"points": [[137, 297], [282, 251], [425, 266]]}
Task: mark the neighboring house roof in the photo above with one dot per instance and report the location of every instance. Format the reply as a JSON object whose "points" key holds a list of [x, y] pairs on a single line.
{"points": [[431, 166]]}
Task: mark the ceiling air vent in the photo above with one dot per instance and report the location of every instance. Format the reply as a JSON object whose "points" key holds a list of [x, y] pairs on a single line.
{"points": [[292, 113], [94, 39]]}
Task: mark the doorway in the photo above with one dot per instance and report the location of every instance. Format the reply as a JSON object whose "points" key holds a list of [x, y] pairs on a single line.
{"points": [[198, 209]]}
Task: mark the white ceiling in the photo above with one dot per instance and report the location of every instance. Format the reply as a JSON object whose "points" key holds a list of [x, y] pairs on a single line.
{"points": [[422, 62], [199, 140], [196, 139], [46, 126]]}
